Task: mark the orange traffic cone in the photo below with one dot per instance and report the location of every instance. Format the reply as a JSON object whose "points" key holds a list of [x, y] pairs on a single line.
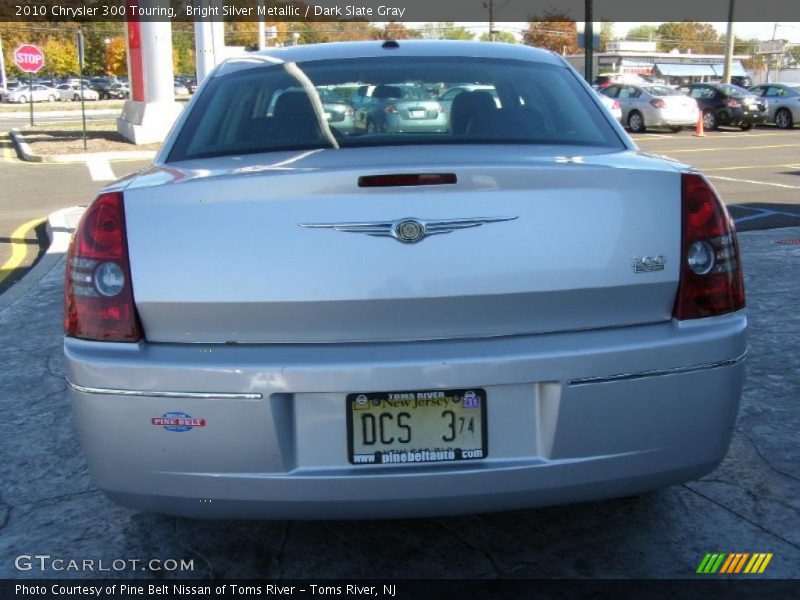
{"points": [[698, 128]]}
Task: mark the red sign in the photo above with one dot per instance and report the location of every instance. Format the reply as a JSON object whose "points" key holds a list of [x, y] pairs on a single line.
{"points": [[29, 58]]}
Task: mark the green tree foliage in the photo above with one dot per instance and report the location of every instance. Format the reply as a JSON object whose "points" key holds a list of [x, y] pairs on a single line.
{"points": [[445, 31], [555, 31], [500, 36], [642, 33], [606, 35], [700, 38]]}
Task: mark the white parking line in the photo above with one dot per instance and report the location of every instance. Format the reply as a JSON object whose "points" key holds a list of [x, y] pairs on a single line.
{"points": [[762, 212], [100, 169], [780, 185]]}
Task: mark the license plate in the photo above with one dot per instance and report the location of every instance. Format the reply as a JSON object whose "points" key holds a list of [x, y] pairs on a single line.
{"points": [[417, 114], [416, 426]]}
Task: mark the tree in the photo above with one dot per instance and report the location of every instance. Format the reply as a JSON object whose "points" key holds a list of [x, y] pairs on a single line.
{"points": [[499, 36], [642, 33], [700, 38], [115, 62], [606, 35], [554, 32], [61, 56], [445, 31], [397, 31]]}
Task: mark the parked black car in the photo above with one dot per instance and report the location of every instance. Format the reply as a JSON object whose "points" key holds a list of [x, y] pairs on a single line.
{"points": [[743, 81], [111, 91], [726, 104]]}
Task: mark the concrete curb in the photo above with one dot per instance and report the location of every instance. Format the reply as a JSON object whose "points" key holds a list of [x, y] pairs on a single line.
{"points": [[59, 227], [25, 153], [59, 113]]}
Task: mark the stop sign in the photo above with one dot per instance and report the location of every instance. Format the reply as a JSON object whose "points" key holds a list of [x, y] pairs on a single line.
{"points": [[29, 58]]}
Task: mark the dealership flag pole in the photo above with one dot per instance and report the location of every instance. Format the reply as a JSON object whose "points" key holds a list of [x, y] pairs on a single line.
{"points": [[30, 94], [80, 76]]}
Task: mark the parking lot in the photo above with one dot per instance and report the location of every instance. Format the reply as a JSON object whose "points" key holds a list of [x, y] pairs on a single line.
{"points": [[48, 504]]}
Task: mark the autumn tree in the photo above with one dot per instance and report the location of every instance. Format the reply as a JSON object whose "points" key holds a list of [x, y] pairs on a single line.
{"points": [[115, 61], [499, 36], [555, 31], [700, 38], [397, 31], [61, 56]]}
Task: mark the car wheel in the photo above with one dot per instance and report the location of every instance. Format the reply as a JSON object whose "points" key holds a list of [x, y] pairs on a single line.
{"points": [[51, 98], [709, 120], [371, 127], [675, 129], [76, 97], [783, 119], [23, 99], [746, 127], [636, 122]]}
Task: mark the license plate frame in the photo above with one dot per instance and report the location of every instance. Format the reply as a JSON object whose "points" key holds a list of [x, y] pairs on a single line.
{"points": [[422, 407], [420, 113]]}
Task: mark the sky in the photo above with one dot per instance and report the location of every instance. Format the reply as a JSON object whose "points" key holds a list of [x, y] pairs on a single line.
{"points": [[763, 31]]}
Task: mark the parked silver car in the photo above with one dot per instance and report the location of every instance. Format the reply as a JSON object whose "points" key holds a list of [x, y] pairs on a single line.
{"points": [[68, 91], [277, 320], [652, 105], [23, 94], [783, 102]]}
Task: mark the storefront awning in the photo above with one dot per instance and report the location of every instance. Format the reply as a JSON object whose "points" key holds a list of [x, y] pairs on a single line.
{"points": [[685, 70], [736, 69]]}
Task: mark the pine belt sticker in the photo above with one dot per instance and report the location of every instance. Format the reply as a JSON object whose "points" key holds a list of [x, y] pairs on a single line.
{"points": [[177, 421]]}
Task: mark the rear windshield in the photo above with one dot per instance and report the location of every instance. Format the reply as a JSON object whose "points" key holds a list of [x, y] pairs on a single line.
{"points": [[662, 90], [733, 90], [387, 102]]}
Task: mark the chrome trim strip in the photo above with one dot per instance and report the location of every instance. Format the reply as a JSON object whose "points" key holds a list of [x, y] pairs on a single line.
{"points": [[657, 373], [163, 394]]}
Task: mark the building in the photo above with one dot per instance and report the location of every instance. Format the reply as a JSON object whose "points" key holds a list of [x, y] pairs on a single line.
{"points": [[641, 58]]}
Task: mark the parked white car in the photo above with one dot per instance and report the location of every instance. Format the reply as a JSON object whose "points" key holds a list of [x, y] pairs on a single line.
{"points": [[612, 105], [73, 92], [23, 93], [279, 319], [653, 105]]}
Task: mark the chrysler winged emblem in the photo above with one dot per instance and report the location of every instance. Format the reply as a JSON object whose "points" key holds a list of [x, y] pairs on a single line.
{"points": [[408, 230]]}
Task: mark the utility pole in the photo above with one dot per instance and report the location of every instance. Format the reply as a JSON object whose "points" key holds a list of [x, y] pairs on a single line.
{"points": [[726, 73], [261, 30], [588, 37]]}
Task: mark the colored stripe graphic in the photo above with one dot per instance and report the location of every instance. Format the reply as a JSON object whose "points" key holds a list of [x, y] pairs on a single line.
{"points": [[765, 563], [734, 563], [728, 563], [711, 563]]}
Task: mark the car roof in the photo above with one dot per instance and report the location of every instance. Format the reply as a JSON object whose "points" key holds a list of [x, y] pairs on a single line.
{"points": [[379, 48]]}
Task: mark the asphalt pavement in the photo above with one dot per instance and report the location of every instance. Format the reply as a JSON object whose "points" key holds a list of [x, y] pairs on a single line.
{"points": [[48, 504]]}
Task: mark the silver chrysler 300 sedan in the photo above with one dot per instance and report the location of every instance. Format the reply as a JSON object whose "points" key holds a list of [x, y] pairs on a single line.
{"points": [[279, 319]]}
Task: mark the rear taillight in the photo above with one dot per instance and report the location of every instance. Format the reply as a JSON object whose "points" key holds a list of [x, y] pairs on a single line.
{"points": [[711, 273], [98, 297], [348, 111], [390, 108], [617, 105], [732, 102], [658, 103]]}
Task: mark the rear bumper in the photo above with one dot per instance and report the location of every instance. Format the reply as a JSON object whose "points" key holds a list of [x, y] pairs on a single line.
{"points": [[741, 117], [570, 417]]}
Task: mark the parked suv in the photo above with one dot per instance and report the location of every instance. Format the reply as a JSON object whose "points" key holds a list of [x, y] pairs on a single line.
{"points": [[726, 104]]}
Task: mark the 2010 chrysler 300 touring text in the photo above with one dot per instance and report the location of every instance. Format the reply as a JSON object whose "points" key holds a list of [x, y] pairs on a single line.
{"points": [[282, 319]]}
